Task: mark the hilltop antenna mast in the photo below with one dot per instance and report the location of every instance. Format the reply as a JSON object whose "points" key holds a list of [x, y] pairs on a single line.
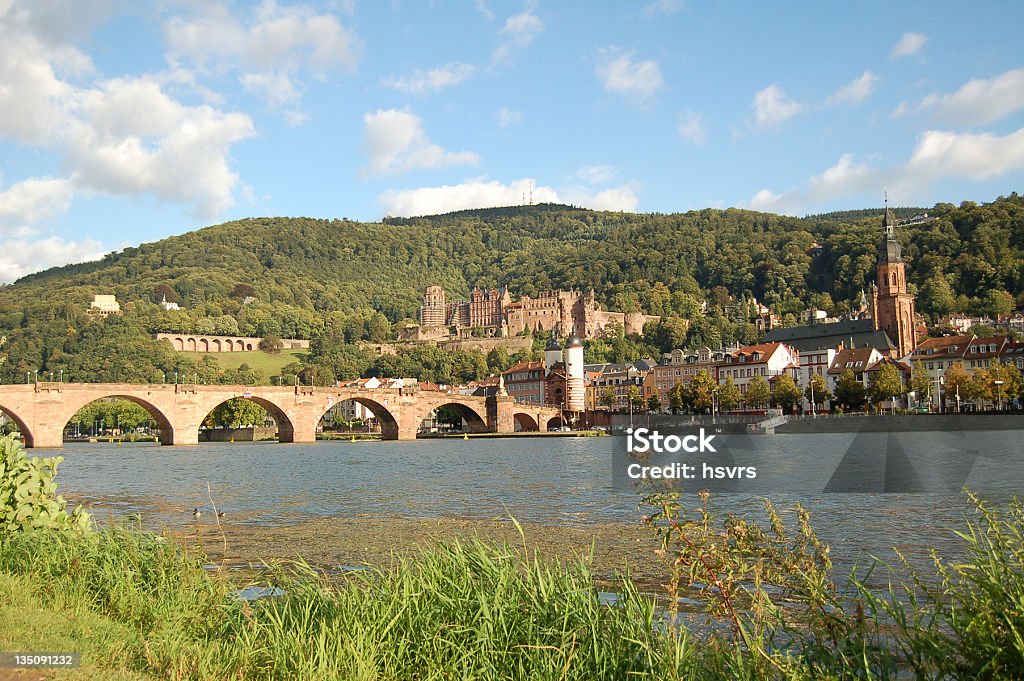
{"points": [[531, 192]]}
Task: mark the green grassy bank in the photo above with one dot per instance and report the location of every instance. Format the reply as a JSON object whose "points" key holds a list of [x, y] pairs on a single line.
{"points": [[270, 365], [762, 605]]}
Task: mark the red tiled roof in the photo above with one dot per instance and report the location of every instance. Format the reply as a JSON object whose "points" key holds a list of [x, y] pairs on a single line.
{"points": [[524, 366]]}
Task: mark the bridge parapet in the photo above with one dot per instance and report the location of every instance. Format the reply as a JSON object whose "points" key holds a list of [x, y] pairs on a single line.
{"points": [[43, 409]]}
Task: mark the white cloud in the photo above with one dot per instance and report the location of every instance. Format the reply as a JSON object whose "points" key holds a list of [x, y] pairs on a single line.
{"points": [[691, 128], [133, 138], [662, 8], [623, 75], [518, 32], [980, 101], [900, 111], [938, 154], [622, 199], [422, 82], [772, 107], [600, 174], [482, 193], [978, 156], [395, 143], [845, 177], [120, 136], [271, 38], [508, 117], [909, 45], [35, 99], [856, 91], [36, 199], [482, 7], [295, 118], [271, 46], [767, 201], [23, 257], [276, 88]]}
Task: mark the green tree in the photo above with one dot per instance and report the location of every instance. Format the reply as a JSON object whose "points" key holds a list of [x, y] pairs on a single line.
{"points": [[886, 383], [271, 344], [635, 396], [607, 397], [758, 392], [654, 403], [498, 359], [998, 383], [996, 303], [729, 395], [678, 398], [703, 388], [920, 380], [817, 391], [237, 412], [936, 296], [850, 393], [786, 393], [957, 385]]}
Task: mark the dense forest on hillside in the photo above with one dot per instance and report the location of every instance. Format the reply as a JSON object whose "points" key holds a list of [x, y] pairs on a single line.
{"points": [[338, 282]]}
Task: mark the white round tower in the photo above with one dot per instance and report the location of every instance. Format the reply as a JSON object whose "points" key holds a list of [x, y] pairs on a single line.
{"points": [[576, 387]]}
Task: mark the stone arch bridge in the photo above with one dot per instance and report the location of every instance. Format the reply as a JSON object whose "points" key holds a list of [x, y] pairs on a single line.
{"points": [[42, 410]]}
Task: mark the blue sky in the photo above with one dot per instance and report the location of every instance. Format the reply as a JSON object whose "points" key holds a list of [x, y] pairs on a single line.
{"points": [[125, 122]]}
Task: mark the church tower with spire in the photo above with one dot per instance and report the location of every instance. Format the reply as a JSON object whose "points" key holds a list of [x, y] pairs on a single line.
{"points": [[893, 305]]}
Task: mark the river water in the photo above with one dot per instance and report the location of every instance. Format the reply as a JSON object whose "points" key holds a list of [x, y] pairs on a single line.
{"points": [[553, 481]]}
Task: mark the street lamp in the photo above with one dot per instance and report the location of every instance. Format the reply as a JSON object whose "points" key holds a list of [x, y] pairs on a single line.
{"points": [[938, 390], [999, 393]]}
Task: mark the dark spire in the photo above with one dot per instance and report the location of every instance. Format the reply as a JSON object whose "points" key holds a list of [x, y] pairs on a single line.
{"points": [[889, 250]]}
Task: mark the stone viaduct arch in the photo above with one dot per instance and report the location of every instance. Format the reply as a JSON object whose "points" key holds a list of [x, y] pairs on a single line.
{"points": [[42, 410]]}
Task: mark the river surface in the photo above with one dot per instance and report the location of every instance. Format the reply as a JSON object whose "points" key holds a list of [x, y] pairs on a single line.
{"points": [[551, 481]]}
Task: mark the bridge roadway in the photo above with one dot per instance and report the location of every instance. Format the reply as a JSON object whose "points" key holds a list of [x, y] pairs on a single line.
{"points": [[43, 409]]}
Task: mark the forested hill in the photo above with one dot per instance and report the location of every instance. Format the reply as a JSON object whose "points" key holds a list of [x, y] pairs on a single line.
{"points": [[347, 281], [631, 260]]}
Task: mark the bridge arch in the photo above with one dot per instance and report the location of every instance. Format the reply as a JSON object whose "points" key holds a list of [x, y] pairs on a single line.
{"points": [[285, 425], [554, 423], [525, 423], [163, 423], [26, 432], [385, 419], [475, 422]]}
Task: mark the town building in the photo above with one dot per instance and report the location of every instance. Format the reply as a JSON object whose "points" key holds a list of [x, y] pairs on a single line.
{"points": [[680, 366], [864, 363], [767, 360], [167, 306], [526, 381], [104, 305]]}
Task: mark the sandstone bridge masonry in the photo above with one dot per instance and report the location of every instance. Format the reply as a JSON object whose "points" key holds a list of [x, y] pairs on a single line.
{"points": [[42, 410]]}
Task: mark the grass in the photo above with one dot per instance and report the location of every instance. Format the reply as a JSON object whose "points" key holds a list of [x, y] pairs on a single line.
{"points": [[139, 607], [465, 610], [270, 365]]}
